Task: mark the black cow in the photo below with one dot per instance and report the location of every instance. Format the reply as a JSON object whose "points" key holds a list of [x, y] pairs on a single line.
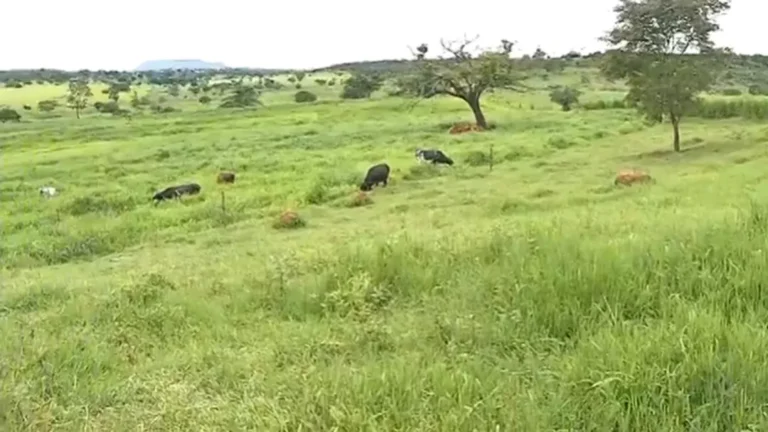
{"points": [[434, 156], [177, 192], [376, 174]]}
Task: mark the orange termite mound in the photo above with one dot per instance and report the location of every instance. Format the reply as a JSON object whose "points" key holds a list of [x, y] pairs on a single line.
{"points": [[630, 177], [464, 127]]}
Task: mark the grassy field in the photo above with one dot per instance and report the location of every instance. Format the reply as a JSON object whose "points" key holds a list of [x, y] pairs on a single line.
{"points": [[533, 297]]}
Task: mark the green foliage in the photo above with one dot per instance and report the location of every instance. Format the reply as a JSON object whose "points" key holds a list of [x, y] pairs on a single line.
{"points": [[115, 88], [321, 82], [537, 286], [758, 90], [299, 76], [205, 99], [566, 97], [304, 96], [174, 89], [463, 75], [477, 158], [731, 92], [241, 96], [652, 38], [110, 107], [8, 114], [47, 105], [361, 86], [78, 93]]}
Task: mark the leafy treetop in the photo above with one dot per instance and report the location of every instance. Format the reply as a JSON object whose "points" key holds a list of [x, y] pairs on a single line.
{"points": [[651, 39], [460, 74]]}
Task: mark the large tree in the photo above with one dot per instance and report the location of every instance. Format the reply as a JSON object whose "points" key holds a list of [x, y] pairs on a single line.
{"points": [[653, 43], [460, 74]]}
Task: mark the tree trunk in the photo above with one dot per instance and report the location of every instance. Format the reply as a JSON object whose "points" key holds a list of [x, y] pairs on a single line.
{"points": [[474, 103], [77, 112], [676, 128]]}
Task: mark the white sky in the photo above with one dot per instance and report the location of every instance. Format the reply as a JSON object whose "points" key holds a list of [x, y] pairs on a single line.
{"points": [[91, 34]]}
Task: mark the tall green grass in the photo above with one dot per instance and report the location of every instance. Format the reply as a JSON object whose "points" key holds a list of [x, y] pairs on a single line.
{"points": [[564, 324], [534, 296], [750, 109]]}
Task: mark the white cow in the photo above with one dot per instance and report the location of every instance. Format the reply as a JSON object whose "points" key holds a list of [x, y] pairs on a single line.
{"points": [[47, 191]]}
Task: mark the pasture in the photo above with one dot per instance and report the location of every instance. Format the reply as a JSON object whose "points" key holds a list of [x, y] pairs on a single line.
{"points": [[534, 296]]}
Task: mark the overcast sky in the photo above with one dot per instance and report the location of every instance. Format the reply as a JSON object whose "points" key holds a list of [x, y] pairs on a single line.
{"points": [[90, 34]]}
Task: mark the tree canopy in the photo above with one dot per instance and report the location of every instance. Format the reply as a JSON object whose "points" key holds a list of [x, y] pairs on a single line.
{"points": [[652, 40], [460, 74]]}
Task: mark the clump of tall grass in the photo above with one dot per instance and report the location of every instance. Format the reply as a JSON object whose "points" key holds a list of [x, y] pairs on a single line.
{"points": [[750, 109]]}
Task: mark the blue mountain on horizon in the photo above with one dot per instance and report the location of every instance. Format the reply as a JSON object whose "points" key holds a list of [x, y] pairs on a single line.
{"points": [[179, 64]]}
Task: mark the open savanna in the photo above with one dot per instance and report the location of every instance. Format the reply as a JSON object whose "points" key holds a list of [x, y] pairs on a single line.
{"points": [[534, 296]]}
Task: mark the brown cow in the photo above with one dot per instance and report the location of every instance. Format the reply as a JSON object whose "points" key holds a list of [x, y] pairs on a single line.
{"points": [[630, 177], [225, 177]]}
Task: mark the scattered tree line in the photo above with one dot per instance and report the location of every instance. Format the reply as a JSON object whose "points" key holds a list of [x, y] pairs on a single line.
{"points": [[662, 50]]}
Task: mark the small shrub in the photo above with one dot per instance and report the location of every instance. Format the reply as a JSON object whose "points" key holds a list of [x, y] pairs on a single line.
{"points": [[758, 90], [205, 99], [318, 194], [361, 86], [27, 108], [110, 107], [304, 96], [289, 220], [47, 105], [566, 97], [7, 114], [321, 82]]}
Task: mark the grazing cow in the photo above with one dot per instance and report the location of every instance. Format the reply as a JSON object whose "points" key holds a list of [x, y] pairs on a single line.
{"points": [[376, 174], [47, 191], [177, 192], [225, 177], [434, 156]]}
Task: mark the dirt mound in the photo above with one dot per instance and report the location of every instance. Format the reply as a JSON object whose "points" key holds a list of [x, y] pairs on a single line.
{"points": [[630, 177], [464, 127], [288, 220]]}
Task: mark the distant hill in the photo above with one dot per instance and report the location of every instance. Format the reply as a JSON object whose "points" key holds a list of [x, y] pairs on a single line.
{"points": [[179, 64]]}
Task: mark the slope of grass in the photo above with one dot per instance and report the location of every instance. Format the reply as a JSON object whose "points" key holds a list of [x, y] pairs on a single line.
{"points": [[536, 296]]}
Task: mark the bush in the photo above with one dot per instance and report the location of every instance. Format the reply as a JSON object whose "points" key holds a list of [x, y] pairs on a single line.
{"points": [[110, 107], [205, 99], [361, 86], [758, 90], [7, 114], [47, 105], [566, 97], [304, 96]]}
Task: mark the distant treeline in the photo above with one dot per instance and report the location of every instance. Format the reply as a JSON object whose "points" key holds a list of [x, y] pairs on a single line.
{"points": [[742, 69]]}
